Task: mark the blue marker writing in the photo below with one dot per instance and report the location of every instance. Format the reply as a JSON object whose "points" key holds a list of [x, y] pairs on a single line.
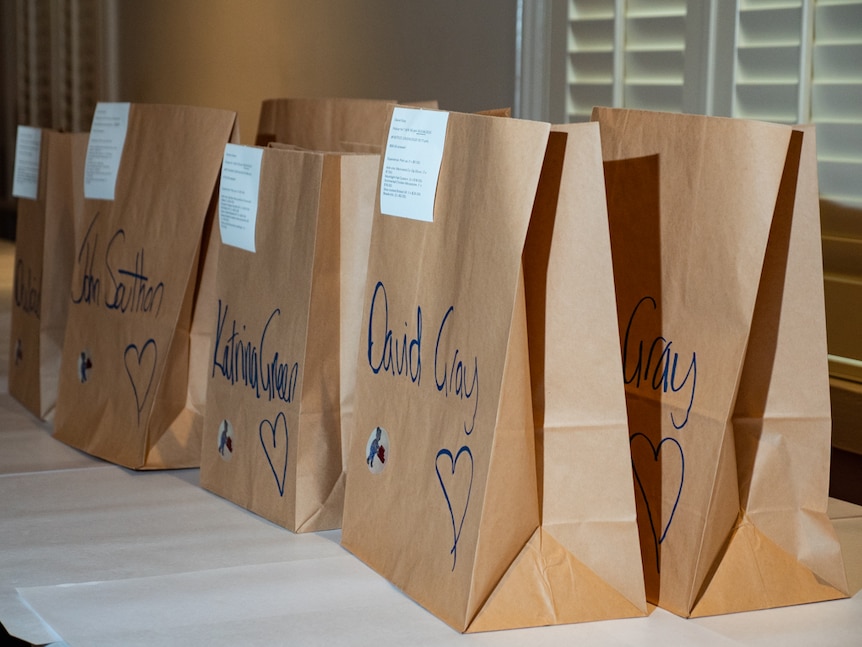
{"points": [[386, 352], [240, 361], [454, 377], [660, 370], [28, 290], [140, 295], [90, 283]]}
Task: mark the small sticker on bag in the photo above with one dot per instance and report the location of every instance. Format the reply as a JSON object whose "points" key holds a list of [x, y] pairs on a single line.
{"points": [[377, 450], [85, 365], [411, 163], [225, 439]]}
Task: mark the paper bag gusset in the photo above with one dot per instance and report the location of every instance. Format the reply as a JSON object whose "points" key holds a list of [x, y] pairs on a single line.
{"points": [[44, 250], [715, 237], [287, 319], [125, 383], [494, 499]]}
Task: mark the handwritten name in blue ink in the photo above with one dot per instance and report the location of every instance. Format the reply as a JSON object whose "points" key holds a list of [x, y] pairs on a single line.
{"points": [[91, 285], [132, 289], [386, 351], [28, 289], [246, 362], [454, 377], [129, 288], [659, 369]]}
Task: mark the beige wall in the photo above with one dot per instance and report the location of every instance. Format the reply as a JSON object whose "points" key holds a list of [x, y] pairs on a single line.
{"points": [[235, 53]]}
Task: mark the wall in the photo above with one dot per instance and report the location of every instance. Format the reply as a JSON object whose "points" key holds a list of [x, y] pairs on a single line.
{"points": [[235, 53]]}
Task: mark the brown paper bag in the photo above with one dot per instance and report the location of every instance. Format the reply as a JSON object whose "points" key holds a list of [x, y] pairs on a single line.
{"points": [[493, 503], [327, 124], [283, 367], [125, 373], [44, 251], [715, 237]]}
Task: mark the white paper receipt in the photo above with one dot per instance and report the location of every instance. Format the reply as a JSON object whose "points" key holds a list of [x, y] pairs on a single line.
{"points": [[28, 147], [105, 149], [411, 164], [237, 195]]}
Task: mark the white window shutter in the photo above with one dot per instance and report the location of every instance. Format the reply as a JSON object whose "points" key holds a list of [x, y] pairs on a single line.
{"points": [[836, 108], [836, 99], [655, 53], [593, 57], [785, 61], [644, 54], [770, 74]]}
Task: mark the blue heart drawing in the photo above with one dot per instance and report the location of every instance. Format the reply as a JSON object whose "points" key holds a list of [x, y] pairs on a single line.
{"points": [[656, 450], [453, 463], [140, 376], [273, 427]]}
